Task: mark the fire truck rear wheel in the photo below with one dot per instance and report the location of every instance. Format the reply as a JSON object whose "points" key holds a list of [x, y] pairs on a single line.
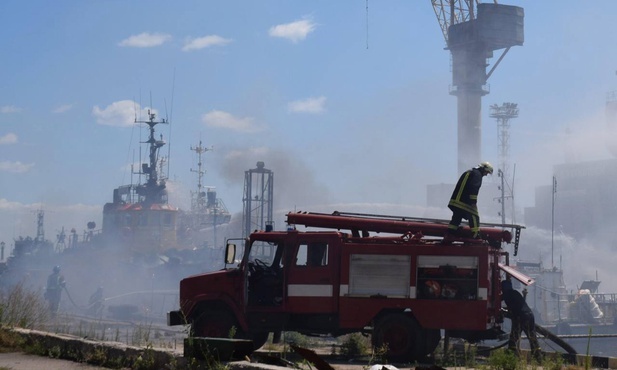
{"points": [[402, 336]]}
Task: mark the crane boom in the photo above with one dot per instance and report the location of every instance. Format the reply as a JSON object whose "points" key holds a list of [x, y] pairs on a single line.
{"points": [[451, 12]]}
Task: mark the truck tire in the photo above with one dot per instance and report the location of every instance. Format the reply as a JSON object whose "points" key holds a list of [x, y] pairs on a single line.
{"points": [[402, 336], [432, 339], [219, 324], [214, 324], [259, 339]]}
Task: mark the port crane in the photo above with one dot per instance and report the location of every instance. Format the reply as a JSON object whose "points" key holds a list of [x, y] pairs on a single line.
{"points": [[473, 31]]}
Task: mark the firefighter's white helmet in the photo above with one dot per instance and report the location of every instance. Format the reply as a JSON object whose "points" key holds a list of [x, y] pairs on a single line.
{"points": [[486, 167]]}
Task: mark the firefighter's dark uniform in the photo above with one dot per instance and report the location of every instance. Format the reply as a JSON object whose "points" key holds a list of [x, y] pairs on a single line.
{"points": [[55, 283], [522, 319], [463, 202]]}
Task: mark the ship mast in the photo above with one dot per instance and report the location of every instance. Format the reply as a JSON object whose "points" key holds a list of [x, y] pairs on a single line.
{"points": [[153, 191], [40, 228], [198, 199]]}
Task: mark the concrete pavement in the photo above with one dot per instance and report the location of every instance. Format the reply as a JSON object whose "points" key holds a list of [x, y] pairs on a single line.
{"points": [[24, 361]]}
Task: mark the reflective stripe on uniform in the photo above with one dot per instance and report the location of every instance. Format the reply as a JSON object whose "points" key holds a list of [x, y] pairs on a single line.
{"points": [[464, 206], [460, 190]]}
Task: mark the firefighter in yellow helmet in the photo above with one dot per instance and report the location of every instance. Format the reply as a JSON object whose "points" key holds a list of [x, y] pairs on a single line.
{"points": [[463, 202]]}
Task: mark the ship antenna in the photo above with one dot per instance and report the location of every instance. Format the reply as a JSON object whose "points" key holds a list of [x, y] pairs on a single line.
{"points": [[128, 154], [168, 139], [169, 119], [139, 168], [132, 173], [135, 110], [173, 89], [140, 138]]}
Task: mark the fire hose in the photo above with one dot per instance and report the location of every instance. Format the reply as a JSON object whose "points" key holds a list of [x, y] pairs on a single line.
{"points": [[75, 304], [555, 339], [547, 334]]}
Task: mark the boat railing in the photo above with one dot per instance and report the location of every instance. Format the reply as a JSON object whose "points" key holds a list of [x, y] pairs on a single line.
{"points": [[606, 298]]}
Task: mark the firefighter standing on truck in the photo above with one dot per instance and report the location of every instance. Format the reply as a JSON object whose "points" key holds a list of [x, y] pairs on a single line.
{"points": [[463, 202], [522, 319]]}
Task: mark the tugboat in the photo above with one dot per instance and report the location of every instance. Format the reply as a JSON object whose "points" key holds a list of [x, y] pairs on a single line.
{"points": [[139, 218]]}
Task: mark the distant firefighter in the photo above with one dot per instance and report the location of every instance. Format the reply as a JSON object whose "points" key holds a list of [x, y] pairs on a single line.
{"points": [[53, 291], [95, 304]]}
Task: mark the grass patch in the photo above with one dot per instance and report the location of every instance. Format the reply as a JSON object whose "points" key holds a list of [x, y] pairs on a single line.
{"points": [[10, 341], [354, 345], [292, 337], [20, 307], [502, 359], [553, 362], [505, 360]]}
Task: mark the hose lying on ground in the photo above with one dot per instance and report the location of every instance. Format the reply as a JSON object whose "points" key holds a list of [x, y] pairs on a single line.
{"points": [[560, 342]]}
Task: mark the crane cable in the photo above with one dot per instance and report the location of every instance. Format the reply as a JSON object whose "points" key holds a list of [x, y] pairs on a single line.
{"points": [[366, 24]]}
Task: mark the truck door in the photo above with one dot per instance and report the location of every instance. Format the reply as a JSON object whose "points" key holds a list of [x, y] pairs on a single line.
{"points": [[265, 274], [312, 284]]}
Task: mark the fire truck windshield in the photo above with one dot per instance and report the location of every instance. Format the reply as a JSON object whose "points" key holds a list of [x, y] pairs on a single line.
{"points": [[267, 253]]}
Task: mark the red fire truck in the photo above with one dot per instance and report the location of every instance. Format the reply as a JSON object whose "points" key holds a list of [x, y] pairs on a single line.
{"points": [[402, 284]]}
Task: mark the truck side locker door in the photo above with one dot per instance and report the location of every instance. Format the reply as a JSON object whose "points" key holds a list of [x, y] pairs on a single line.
{"points": [[312, 280]]}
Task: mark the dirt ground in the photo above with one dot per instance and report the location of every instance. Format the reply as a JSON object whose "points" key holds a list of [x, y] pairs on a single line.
{"points": [[23, 361]]}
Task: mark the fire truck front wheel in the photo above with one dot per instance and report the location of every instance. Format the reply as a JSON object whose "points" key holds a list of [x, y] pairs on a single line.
{"points": [[222, 324], [214, 324], [259, 339], [401, 336]]}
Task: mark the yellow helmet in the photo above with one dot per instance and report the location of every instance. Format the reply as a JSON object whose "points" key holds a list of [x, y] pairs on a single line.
{"points": [[486, 167]]}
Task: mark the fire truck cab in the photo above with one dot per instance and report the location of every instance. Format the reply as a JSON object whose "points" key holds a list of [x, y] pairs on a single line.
{"points": [[403, 288]]}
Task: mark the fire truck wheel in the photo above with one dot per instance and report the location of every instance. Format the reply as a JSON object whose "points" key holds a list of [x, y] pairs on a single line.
{"points": [[259, 339], [433, 337], [214, 324], [402, 337]]}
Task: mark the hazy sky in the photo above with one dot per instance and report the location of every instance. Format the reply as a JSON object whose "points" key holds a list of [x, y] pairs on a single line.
{"points": [[344, 106]]}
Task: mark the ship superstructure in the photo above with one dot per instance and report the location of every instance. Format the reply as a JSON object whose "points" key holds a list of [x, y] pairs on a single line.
{"points": [[140, 217]]}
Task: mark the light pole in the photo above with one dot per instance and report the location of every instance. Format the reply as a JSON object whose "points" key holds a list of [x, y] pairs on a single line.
{"points": [[553, 222]]}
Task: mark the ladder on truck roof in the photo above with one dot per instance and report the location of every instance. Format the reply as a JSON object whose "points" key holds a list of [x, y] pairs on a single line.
{"points": [[495, 234]]}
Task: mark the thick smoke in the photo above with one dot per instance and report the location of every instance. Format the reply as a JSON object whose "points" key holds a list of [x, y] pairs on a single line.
{"points": [[537, 152], [294, 183], [580, 260], [583, 140]]}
